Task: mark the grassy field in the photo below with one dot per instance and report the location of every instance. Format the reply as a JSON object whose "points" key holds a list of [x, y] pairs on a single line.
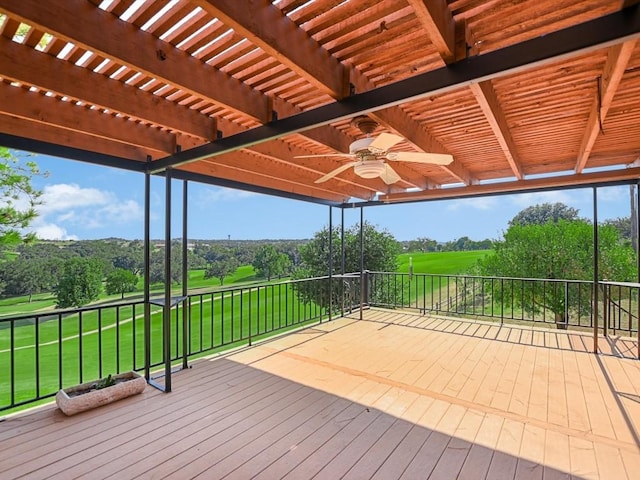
{"points": [[110, 341], [440, 262]]}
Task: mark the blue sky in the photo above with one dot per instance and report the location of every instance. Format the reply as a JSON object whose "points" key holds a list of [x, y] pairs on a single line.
{"points": [[82, 201]]}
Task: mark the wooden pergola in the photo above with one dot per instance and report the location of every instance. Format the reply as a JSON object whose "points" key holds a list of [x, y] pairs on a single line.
{"points": [[525, 95]]}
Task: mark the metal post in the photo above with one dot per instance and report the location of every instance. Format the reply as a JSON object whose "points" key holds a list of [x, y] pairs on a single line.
{"points": [[342, 246], [166, 318], [595, 270], [638, 260], [362, 286], [147, 257], [330, 262], [342, 260], [186, 314]]}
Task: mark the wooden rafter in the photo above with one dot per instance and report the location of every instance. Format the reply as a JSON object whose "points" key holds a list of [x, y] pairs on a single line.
{"points": [[46, 110], [487, 99], [13, 125], [238, 173], [617, 60], [264, 25], [439, 24], [19, 62], [78, 21], [536, 184]]}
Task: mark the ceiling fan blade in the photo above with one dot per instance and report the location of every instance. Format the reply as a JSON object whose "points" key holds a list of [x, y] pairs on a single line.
{"points": [[348, 155], [385, 141], [335, 172], [389, 175], [420, 157]]}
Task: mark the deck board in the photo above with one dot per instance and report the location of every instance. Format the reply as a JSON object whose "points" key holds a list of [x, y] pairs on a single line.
{"points": [[396, 395]]}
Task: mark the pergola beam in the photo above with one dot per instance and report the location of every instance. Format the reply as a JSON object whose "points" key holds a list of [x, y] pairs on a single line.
{"points": [[537, 184], [437, 20], [617, 61], [237, 174], [264, 25], [487, 99], [45, 110]]}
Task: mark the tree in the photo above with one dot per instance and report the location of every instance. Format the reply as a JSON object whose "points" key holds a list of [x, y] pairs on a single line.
{"points": [[156, 264], [80, 283], [30, 275], [121, 281], [221, 268], [269, 262], [16, 190], [543, 213], [221, 262], [381, 250], [561, 250]]}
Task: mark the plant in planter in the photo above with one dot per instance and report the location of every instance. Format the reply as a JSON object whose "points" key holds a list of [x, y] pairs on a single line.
{"points": [[94, 394]]}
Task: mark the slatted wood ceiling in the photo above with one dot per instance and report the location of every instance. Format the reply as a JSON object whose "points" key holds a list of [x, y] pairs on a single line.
{"points": [[143, 80]]}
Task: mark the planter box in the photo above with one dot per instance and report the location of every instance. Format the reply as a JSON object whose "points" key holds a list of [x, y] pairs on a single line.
{"points": [[83, 397]]}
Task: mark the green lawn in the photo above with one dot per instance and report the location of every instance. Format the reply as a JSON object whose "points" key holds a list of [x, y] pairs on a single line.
{"points": [[440, 262]]}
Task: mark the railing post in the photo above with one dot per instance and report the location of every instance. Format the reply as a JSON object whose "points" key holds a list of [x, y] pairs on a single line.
{"points": [[186, 314], [605, 309], [364, 291], [566, 304]]}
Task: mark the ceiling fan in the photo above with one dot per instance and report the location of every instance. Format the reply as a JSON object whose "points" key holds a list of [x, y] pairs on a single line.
{"points": [[371, 154]]}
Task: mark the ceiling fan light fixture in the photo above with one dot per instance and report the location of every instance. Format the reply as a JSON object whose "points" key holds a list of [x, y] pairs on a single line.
{"points": [[369, 169]]}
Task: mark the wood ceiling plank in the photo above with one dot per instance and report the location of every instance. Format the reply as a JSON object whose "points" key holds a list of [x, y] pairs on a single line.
{"points": [[46, 110], [488, 101], [617, 61], [24, 64], [267, 27], [438, 22], [77, 21]]}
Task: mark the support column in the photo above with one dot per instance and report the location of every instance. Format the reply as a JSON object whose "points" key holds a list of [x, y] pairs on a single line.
{"points": [[330, 263], [342, 260], [638, 259], [342, 246], [362, 275], [186, 314], [147, 260], [166, 317], [595, 309]]}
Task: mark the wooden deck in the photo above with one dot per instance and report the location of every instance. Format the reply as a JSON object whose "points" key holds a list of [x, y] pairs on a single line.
{"points": [[395, 396]]}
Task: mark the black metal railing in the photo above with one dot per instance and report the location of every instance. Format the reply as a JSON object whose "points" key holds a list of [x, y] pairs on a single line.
{"points": [[561, 303], [41, 353]]}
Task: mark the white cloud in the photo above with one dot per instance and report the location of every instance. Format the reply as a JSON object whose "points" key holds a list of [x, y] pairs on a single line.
{"points": [[70, 206], [222, 194], [63, 196], [122, 212], [50, 231], [529, 199], [480, 203]]}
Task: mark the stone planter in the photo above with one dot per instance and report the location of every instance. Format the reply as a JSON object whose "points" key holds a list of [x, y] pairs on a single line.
{"points": [[83, 397]]}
